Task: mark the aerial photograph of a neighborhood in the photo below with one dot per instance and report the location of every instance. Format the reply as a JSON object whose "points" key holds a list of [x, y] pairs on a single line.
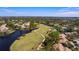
{"points": [[39, 28]]}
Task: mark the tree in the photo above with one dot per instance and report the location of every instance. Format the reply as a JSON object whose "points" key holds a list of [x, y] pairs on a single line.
{"points": [[10, 24], [48, 44], [51, 39], [32, 25], [58, 28], [55, 36]]}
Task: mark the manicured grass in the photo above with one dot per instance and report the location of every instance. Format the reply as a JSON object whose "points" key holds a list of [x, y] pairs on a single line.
{"points": [[31, 40]]}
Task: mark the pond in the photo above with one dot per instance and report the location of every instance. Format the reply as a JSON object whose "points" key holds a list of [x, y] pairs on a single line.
{"points": [[6, 41]]}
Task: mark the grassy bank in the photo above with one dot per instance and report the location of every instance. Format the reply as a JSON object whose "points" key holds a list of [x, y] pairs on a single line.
{"points": [[31, 40]]}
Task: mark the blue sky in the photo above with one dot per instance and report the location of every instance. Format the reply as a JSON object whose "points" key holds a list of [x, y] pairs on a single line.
{"points": [[40, 11]]}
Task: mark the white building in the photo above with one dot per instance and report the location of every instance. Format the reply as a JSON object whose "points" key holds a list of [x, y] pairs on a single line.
{"points": [[3, 28], [26, 25]]}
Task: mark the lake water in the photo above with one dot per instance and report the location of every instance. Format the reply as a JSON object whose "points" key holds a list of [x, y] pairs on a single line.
{"points": [[6, 41]]}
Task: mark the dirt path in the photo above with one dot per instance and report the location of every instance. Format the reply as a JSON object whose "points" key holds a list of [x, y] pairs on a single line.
{"points": [[38, 48]]}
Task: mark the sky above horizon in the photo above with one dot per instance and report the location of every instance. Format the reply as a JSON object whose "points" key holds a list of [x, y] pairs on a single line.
{"points": [[40, 11]]}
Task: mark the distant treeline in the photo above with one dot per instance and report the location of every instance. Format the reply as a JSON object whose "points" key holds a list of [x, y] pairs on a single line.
{"points": [[38, 18]]}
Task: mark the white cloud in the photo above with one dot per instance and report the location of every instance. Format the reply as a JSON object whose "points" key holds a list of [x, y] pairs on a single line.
{"points": [[68, 14]]}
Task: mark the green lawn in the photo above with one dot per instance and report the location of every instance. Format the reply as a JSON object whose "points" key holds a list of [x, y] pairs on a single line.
{"points": [[31, 40]]}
